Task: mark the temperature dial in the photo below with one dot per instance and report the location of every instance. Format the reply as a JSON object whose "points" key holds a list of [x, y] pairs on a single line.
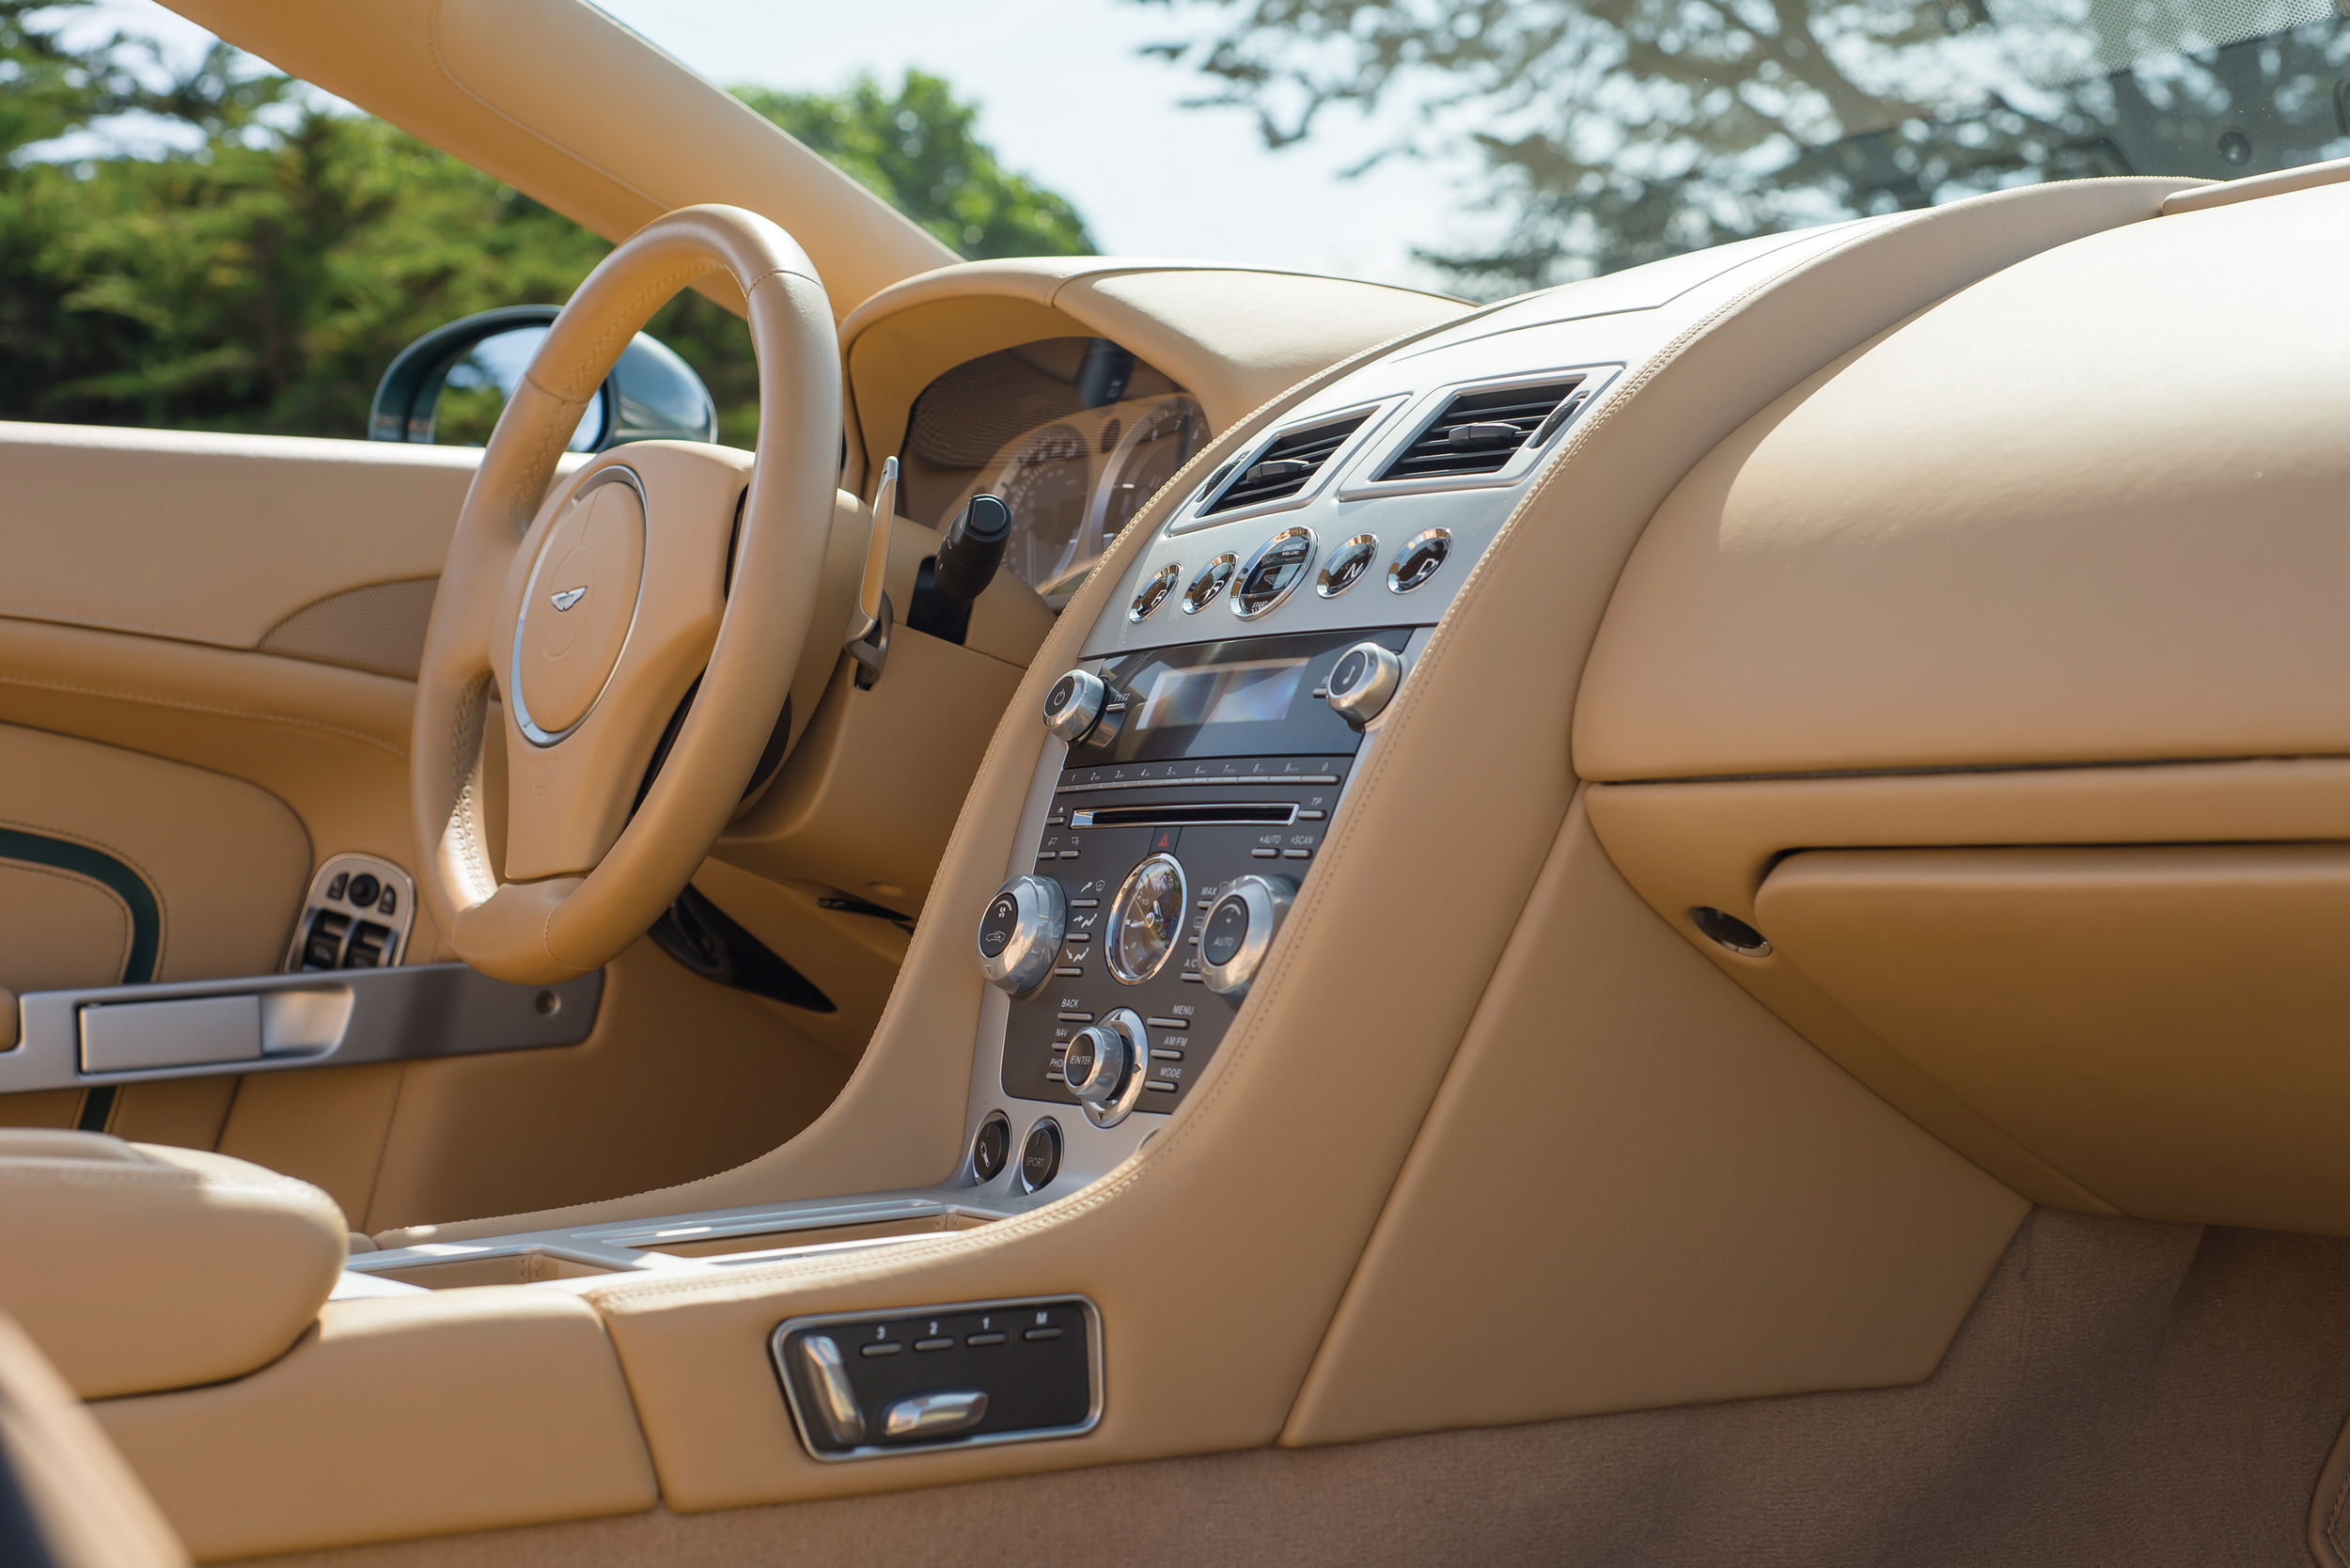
{"points": [[1104, 1067], [1363, 681], [1020, 935], [1073, 705], [1239, 928]]}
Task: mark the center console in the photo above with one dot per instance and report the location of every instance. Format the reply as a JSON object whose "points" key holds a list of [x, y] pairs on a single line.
{"points": [[1196, 787], [1201, 751]]}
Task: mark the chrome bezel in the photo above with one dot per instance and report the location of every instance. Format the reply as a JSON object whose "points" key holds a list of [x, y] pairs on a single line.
{"points": [[1128, 1023], [1195, 514], [1117, 921], [1366, 702], [611, 474], [971, 1151], [1193, 601], [789, 1326], [1431, 406], [1164, 580], [1020, 1165], [1091, 696], [1040, 921], [1395, 562], [1267, 901], [1248, 568], [400, 920], [1365, 543]]}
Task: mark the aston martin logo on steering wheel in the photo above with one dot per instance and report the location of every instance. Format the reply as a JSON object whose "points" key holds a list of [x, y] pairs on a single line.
{"points": [[567, 598]]}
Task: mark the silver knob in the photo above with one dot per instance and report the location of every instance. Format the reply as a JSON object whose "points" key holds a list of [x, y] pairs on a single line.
{"points": [[827, 1378], [1073, 704], [1363, 681], [1020, 935], [1239, 928], [1104, 1067], [934, 1415]]}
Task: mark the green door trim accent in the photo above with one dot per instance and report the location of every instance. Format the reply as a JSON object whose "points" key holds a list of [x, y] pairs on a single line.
{"points": [[64, 855]]}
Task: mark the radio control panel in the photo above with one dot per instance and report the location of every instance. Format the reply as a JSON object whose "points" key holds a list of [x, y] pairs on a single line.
{"points": [[1141, 854], [1162, 847]]}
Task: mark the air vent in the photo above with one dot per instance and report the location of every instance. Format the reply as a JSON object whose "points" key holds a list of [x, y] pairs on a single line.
{"points": [[1478, 432], [1282, 469]]}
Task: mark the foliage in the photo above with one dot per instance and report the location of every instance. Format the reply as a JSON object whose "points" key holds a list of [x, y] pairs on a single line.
{"points": [[1614, 132], [919, 150], [261, 275]]}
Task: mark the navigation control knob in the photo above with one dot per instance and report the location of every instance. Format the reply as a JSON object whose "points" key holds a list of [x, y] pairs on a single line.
{"points": [[1073, 704], [1020, 935], [1104, 1067], [1363, 681], [1240, 928]]}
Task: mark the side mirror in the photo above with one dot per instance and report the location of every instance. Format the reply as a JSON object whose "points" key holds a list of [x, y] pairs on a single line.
{"points": [[451, 385]]}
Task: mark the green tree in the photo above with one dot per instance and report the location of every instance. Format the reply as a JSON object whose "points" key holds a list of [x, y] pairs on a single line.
{"points": [[919, 149], [1613, 132], [261, 277]]}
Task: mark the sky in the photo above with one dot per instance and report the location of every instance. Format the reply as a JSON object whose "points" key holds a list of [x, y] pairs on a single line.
{"points": [[1066, 99]]}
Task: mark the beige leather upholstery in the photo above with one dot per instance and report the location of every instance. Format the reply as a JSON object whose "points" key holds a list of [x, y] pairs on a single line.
{"points": [[89, 1509], [456, 1410], [226, 862], [1324, 1081], [136, 1267], [2036, 547]]}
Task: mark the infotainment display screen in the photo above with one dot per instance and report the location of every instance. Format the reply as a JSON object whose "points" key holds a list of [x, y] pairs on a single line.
{"points": [[1254, 691], [1257, 696]]}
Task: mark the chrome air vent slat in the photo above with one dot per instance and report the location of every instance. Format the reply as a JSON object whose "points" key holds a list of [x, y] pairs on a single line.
{"points": [[1286, 464], [1478, 432]]}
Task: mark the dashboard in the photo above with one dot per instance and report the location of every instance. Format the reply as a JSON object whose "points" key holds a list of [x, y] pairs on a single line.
{"points": [[1073, 434], [1410, 840]]}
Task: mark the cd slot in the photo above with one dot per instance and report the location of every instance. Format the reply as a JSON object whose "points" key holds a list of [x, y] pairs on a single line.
{"points": [[1183, 814]]}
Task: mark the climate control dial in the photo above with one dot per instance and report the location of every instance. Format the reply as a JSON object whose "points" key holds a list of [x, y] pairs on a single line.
{"points": [[1020, 935], [1239, 930]]}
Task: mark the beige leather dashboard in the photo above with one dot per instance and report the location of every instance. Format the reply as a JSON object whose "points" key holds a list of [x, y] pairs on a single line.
{"points": [[2054, 562]]}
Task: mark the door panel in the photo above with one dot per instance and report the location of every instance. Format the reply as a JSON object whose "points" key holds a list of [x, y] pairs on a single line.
{"points": [[204, 650]]}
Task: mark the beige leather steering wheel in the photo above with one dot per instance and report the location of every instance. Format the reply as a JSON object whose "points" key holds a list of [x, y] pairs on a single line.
{"points": [[596, 606]]}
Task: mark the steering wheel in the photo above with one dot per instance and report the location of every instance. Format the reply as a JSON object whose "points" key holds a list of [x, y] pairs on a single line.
{"points": [[648, 602]]}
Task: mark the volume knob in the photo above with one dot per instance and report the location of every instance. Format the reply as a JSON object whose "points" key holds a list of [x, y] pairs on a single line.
{"points": [[1020, 935], [1238, 931], [1363, 681], [1073, 704]]}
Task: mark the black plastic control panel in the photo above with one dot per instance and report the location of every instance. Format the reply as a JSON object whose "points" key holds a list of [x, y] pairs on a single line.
{"points": [[1090, 850], [863, 1386], [1213, 762]]}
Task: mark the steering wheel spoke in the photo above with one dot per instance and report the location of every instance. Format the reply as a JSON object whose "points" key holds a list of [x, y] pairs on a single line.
{"points": [[663, 569], [616, 600]]}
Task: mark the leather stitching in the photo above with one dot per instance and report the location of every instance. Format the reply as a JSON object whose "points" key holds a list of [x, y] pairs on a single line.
{"points": [[112, 852], [70, 689]]}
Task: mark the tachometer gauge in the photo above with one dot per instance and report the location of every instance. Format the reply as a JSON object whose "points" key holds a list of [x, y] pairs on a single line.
{"points": [[1144, 456]]}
